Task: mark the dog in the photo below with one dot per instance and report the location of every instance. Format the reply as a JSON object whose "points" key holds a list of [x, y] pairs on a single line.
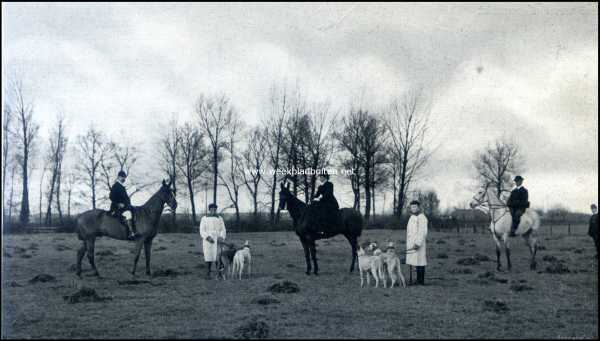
{"points": [[240, 259], [379, 254], [369, 264], [226, 254], [392, 265]]}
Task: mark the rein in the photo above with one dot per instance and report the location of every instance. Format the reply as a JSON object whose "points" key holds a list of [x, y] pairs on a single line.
{"points": [[487, 204]]}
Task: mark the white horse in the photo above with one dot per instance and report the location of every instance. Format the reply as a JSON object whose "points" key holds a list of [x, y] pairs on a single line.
{"points": [[501, 221]]}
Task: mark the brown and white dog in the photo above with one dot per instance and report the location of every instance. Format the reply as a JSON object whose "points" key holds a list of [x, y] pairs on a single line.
{"points": [[241, 259]]}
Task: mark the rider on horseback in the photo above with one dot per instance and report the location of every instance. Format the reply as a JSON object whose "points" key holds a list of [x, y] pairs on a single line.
{"points": [[120, 203], [327, 206], [518, 202]]}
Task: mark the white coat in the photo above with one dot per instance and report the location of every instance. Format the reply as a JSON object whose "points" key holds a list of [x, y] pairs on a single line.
{"points": [[416, 234], [215, 228]]}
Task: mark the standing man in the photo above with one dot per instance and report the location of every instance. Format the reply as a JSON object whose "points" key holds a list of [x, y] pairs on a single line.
{"points": [[120, 204], [416, 235], [593, 231], [212, 231], [518, 202]]}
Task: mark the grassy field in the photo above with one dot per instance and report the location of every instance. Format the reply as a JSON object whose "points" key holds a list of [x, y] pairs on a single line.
{"points": [[459, 301]]}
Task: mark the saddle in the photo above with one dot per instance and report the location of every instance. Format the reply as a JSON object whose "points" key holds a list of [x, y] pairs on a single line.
{"points": [[322, 219]]}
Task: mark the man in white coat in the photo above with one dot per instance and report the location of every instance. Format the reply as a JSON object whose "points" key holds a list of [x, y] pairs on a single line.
{"points": [[212, 231], [416, 235]]}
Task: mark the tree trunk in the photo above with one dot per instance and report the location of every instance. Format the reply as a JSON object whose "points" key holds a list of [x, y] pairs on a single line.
{"points": [[192, 202], [402, 191], [215, 174], [367, 190], [48, 220], [58, 185], [24, 214]]}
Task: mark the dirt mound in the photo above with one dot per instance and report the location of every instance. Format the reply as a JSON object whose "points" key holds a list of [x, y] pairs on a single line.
{"points": [[265, 300], [492, 276], [14, 284], [557, 268], [549, 258], [61, 247], [132, 282], [274, 243], [290, 265], [440, 242], [255, 329], [26, 256], [460, 271], [161, 248], [285, 287], [33, 246], [520, 287], [467, 261], [85, 295], [497, 306], [169, 273], [481, 258], [579, 251], [18, 249], [541, 247], [43, 278], [441, 256]]}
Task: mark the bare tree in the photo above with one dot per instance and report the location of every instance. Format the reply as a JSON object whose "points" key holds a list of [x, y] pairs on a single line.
{"points": [[56, 152], [93, 149], [497, 162], [254, 158], [430, 203], [362, 137], [407, 121], [231, 178], [274, 123], [190, 161], [170, 145], [69, 186], [215, 116], [25, 133]]}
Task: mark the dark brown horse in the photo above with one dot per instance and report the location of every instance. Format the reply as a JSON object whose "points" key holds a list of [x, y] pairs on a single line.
{"points": [[98, 223], [350, 225]]}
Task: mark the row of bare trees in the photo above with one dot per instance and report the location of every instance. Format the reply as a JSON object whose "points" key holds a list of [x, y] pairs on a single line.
{"points": [[385, 149]]}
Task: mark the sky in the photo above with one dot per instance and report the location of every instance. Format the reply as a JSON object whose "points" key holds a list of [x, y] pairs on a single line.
{"points": [[525, 71]]}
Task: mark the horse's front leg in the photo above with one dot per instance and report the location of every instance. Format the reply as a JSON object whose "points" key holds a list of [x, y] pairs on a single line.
{"points": [[136, 252], [353, 244], [498, 261], [507, 250], [313, 254], [90, 252], [306, 255], [80, 254], [147, 252]]}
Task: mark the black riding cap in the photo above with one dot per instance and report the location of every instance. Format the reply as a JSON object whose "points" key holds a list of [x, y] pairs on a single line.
{"points": [[212, 206], [415, 202], [518, 178], [122, 173], [325, 174]]}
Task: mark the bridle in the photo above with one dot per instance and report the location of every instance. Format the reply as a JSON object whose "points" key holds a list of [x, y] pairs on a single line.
{"points": [[485, 203]]}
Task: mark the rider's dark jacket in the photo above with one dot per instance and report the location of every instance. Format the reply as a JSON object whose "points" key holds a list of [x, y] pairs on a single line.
{"points": [[519, 198], [118, 195], [326, 191]]}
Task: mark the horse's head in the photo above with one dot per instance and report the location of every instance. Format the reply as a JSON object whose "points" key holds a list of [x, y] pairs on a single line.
{"points": [[284, 195], [167, 194], [480, 198]]}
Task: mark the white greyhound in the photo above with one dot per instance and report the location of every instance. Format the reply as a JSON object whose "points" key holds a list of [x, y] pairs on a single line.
{"points": [[486, 200]]}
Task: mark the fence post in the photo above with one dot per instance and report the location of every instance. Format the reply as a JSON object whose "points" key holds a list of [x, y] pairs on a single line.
{"points": [[569, 229]]}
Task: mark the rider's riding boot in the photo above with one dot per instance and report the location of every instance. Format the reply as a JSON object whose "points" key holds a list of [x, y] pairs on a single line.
{"points": [[512, 231], [130, 231]]}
